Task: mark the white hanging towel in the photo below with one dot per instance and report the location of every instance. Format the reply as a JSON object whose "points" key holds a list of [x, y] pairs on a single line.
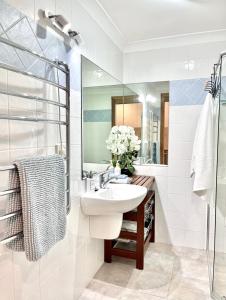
{"points": [[204, 149]]}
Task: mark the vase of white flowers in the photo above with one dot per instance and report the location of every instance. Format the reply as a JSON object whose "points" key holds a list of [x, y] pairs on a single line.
{"points": [[124, 146]]}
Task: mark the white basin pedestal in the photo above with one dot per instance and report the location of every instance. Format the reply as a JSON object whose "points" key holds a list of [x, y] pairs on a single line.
{"points": [[106, 207]]}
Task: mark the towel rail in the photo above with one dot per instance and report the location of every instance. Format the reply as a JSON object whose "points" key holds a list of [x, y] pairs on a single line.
{"points": [[33, 53], [16, 190], [11, 238], [12, 69], [66, 88], [20, 118], [8, 192], [12, 167], [10, 215], [36, 98], [7, 168]]}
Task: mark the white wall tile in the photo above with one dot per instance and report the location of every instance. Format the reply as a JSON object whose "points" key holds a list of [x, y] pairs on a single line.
{"points": [[7, 288], [4, 135], [3, 86], [26, 278], [195, 239], [22, 134], [169, 63], [75, 131], [26, 6], [179, 212]]}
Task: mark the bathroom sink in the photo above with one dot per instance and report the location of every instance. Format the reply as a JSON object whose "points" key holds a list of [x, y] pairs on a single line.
{"points": [[106, 207]]}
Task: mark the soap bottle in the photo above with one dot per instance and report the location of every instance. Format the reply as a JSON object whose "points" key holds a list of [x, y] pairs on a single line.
{"points": [[117, 170]]}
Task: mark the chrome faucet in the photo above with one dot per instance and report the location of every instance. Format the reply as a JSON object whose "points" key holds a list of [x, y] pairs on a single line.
{"points": [[102, 181]]}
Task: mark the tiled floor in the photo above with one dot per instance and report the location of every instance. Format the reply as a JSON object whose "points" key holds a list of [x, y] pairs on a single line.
{"points": [[220, 274], [170, 273]]}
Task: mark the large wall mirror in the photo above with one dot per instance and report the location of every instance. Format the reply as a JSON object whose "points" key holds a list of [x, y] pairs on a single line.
{"points": [[106, 102]]}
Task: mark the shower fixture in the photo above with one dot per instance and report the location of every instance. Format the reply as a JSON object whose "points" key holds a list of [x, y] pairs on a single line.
{"points": [[63, 25]]}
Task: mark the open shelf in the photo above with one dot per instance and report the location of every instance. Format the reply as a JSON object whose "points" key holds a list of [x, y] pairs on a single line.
{"points": [[138, 241]]}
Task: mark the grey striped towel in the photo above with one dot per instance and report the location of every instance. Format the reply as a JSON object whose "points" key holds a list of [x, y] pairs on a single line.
{"points": [[42, 201]]}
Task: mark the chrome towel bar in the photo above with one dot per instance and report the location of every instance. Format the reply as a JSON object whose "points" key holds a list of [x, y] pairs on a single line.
{"points": [[10, 215], [36, 98], [7, 168], [11, 238], [63, 67], [33, 53], [8, 192], [12, 69], [20, 118]]}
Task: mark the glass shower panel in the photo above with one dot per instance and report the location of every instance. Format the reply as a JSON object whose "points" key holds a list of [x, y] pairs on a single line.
{"points": [[219, 267]]}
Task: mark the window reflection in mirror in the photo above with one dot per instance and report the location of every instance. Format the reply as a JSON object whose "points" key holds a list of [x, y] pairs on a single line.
{"points": [[106, 102]]}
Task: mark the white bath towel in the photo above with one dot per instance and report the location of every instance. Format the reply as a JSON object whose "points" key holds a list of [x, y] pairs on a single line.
{"points": [[42, 200], [204, 149]]}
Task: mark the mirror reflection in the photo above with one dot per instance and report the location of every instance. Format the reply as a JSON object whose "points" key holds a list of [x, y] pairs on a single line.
{"points": [[108, 103]]}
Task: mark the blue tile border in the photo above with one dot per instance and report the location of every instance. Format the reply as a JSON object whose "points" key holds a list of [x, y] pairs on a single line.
{"points": [[187, 92], [102, 115]]}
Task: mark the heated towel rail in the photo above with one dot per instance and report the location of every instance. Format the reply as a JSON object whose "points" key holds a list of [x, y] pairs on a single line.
{"points": [[59, 66]]}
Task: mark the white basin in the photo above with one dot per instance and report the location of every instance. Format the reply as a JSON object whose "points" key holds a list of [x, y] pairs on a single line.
{"points": [[106, 207]]}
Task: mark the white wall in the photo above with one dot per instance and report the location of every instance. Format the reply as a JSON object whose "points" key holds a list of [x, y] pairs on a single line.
{"points": [[70, 265], [65, 271], [181, 216], [169, 63]]}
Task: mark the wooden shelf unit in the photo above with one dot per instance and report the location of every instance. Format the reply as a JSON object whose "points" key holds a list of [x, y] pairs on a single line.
{"points": [[137, 215]]}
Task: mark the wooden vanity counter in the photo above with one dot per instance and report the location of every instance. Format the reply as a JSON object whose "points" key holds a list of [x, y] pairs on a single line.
{"points": [[139, 242]]}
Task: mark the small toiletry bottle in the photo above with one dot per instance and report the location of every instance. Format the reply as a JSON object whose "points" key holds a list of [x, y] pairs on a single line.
{"points": [[117, 170]]}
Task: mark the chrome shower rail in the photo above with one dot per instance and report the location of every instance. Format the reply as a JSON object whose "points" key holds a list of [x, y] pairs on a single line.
{"points": [[213, 85], [65, 69]]}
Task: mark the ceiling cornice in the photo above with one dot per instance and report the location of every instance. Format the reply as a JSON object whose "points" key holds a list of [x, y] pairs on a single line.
{"points": [[98, 13], [176, 41]]}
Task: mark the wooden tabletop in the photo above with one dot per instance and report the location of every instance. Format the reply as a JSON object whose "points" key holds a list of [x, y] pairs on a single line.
{"points": [[142, 180]]}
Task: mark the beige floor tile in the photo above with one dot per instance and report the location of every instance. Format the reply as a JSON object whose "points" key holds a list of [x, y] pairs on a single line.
{"points": [[170, 273], [159, 262], [105, 289], [190, 253], [135, 295], [200, 286], [151, 282], [115, 273], [191, 268], [90, 295], [187, 294]]}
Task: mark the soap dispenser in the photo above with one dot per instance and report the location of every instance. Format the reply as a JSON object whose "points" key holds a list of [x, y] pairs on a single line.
{"points": [[117, 170]]}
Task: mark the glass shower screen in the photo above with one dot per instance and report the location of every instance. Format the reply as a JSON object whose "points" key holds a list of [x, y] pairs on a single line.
{"points": [[219, 256]]}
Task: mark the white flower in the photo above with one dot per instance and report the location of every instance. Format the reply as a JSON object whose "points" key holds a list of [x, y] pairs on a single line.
{"points": [[122, 139]]}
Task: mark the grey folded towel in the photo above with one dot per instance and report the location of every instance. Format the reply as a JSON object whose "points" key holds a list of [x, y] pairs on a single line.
{"points": [[42, 200]]}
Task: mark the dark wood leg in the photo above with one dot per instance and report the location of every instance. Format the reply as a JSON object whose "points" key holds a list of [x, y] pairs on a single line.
{"points": [[107, 251], [152, 239], [140, 238]]}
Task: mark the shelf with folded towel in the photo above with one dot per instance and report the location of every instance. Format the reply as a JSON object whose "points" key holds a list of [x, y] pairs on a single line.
{"points": [[138, 228]]}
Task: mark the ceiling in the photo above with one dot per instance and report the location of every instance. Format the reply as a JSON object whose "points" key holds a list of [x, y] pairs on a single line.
{"points": [[138, 20]]}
